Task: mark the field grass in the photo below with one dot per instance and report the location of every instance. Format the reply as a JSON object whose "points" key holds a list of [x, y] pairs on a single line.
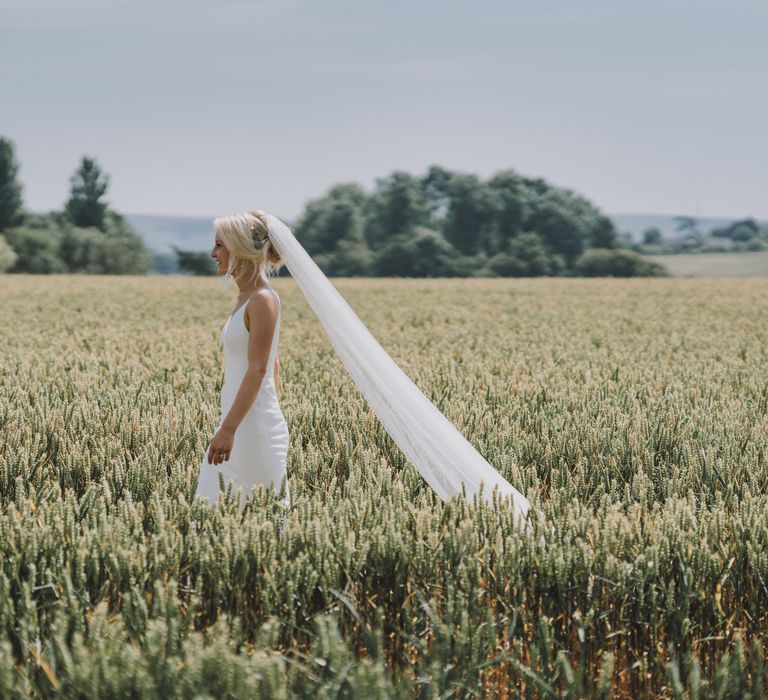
{"points": [[716, 264], [633, 413]]}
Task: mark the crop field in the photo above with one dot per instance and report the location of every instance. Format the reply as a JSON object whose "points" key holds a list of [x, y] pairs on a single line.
{"points": [[715, 264], [633, 413]]}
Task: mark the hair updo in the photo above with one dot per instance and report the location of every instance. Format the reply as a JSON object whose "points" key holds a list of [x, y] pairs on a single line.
{"points": [[251, 251]]}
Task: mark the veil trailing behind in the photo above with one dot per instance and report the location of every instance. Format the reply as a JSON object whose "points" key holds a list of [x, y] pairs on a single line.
{"points": [[441, 454]]}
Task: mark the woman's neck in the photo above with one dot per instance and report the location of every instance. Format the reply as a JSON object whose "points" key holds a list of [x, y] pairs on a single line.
{"points": [[246, 287]]}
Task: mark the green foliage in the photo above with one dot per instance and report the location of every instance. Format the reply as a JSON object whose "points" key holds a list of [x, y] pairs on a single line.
{"points": [[601, 232], [350, 258], [652, 236], [335, 217], [469, 222], [745, 235], [195, 263], [87, 186], [37, 250], [527, 256], [8, 255], [10, 188], [81, 249], [397, 206], [51, 221], [601, 262], [512, 206], [742, 231], [422, 253], [87, 237], [435, 186], [566, 222], [115, 250]]}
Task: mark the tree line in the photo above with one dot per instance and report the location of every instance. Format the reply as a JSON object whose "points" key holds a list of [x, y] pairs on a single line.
{"points": [[86, 236], [449, 224], [741, 236], [443, 224]]}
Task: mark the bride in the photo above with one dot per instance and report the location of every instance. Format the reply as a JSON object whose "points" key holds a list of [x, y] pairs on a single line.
{"points": [[251, 441], [250, 446]]}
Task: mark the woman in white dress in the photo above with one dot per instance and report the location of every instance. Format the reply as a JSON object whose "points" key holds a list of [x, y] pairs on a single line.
{"points": [[250, 446], [251, 443]]}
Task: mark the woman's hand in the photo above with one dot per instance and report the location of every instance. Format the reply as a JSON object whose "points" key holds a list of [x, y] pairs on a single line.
{"points": [[221, 446]]}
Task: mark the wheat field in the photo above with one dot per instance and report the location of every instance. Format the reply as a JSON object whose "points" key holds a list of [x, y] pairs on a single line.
{"points": [[633, 414], [715, 264]]}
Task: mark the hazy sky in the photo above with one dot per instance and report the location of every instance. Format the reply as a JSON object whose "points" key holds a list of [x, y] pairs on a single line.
{"points": [[207, 107]]}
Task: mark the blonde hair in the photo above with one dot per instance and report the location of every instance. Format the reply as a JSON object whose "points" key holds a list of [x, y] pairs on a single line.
{"points": [[251, 251]]}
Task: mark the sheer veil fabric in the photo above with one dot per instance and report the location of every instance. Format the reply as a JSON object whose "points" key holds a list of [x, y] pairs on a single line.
{"points": [[440, 453]]}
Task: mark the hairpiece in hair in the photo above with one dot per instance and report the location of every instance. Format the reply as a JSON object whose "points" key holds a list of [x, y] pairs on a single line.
{"points": [[259, 235]]}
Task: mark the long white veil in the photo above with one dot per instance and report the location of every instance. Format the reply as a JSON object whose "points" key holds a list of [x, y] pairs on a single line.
{"points": [[441, 454]]}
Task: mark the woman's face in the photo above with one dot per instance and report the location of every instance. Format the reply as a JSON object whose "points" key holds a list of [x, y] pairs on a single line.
{"points": [[221, 255]]}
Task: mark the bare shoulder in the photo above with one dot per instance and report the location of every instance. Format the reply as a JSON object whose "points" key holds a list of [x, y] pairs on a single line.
{"points": [[261, 307]]}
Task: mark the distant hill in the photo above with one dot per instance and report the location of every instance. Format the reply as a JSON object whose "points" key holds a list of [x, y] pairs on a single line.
{"points": [[185, 232], [161, 232]]}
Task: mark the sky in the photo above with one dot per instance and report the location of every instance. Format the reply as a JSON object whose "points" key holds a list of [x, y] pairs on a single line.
{"points": [[210, 107]]}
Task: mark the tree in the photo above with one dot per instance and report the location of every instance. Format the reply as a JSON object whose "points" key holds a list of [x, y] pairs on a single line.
{"points": [[435, 186], [126, 252], [511, 206], [470, 221], [397, 206], [80, 249], [194, 262], [337, 216], [601, 231], [87, 186], [742, 232], [8, 255], [37, 251], [601, 262], [117, 250], [423, 253], [558, 228], [10, 189], [687, 226], [332, 230], [567, 222], [526, 256], [349, 259], [652, 236]]}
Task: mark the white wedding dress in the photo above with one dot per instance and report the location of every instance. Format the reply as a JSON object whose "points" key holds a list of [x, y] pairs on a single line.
{"points": [[260, 451], [441, 454]]}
